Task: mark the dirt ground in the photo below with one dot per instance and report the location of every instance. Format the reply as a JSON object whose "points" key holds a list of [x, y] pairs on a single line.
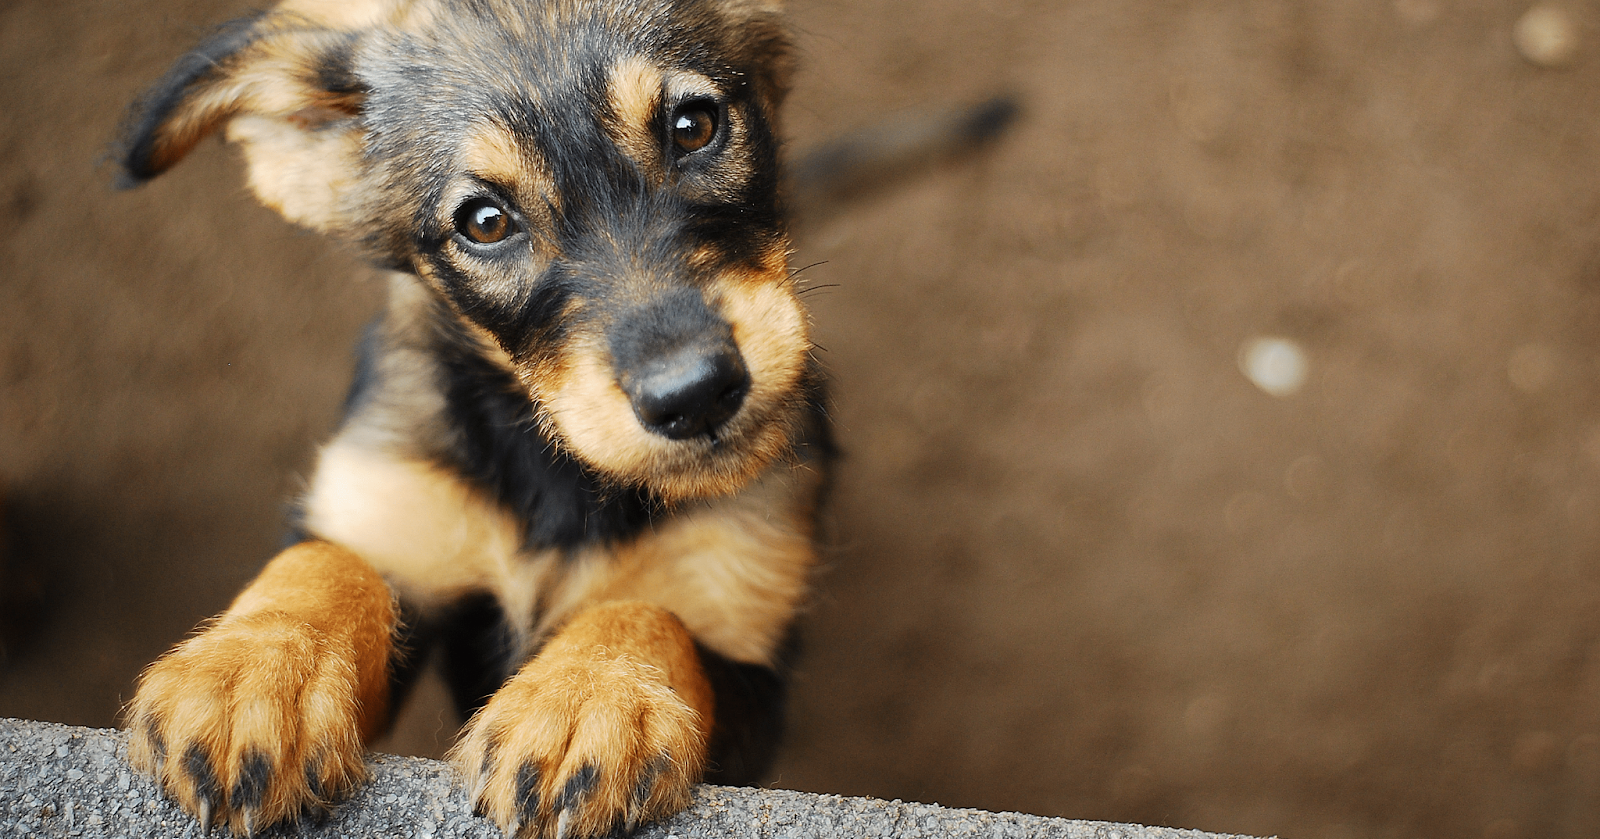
{"points": [[1080, 565]]}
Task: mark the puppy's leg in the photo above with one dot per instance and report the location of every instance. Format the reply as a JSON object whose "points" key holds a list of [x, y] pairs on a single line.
{"points": [[604, 729], [262, 716]]}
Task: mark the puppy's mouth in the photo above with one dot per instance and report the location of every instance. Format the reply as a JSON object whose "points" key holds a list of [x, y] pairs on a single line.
{"points": [[685, 398]]}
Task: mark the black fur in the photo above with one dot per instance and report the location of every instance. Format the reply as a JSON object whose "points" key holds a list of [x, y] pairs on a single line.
{"points": [[336, 71], [477, 650], [751, 702], [498, 445], [145, 118]]}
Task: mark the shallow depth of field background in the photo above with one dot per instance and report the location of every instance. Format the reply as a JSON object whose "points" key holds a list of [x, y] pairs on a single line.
{"points": [[1079, 563]]}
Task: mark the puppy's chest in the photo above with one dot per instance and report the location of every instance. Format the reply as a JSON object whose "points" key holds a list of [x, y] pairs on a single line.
{"points": [[733, 569], [438, 536]]}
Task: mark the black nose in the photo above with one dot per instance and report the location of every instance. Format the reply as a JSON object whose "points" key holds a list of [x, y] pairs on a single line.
{"points": [[690, 391]]}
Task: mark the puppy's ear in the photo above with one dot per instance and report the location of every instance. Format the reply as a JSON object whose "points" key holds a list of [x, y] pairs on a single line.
{"points": [[283, 89], [763, 39]]}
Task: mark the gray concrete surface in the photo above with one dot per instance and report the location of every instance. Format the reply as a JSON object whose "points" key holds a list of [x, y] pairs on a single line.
{"points": [[60, 781]]}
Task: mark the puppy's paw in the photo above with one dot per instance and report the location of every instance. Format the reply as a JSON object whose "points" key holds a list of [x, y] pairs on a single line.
{"points": [[252, 722], [582, 744]]}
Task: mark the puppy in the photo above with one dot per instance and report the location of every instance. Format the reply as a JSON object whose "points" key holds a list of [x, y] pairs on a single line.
{"points": [[584, 447]]}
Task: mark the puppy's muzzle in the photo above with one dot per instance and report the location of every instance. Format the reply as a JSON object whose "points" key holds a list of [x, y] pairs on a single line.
{"points": [[678, 364]]}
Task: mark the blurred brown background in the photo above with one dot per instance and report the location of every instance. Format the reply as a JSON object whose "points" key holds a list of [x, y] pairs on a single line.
{"points": [[1081, 565]]}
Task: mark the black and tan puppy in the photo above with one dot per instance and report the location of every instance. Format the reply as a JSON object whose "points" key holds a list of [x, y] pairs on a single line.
{"points": [[583, 450]]}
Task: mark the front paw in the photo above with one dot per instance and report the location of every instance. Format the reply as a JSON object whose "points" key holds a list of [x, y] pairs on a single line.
{"points": [[252, 722], [582, 744]]}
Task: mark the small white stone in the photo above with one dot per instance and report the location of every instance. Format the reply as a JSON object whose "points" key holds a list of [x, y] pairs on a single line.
{"points": [[1276, 365], [1546, 36]]}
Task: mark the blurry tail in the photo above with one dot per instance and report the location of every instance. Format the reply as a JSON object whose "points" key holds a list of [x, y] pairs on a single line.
{"points": [[850, 167]]}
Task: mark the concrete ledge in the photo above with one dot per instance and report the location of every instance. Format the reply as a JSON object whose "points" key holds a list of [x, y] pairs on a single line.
{"points": [[61, 781]]}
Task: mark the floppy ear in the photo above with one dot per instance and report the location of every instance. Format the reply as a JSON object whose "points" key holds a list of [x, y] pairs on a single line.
{"points": [[764, 40], [285, 92]]}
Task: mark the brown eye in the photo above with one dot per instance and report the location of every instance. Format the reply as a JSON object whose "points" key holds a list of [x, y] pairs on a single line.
{"points": [[483, 221], [694, 126]]}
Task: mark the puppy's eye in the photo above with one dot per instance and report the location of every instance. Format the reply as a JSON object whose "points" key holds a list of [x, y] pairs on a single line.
{"points": [[484, 221], [694, 125]]}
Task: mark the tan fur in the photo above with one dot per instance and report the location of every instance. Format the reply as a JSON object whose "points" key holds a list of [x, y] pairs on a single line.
{"points": [[492, 153], [626, 668], [302, 174], [771, 330], [735, 569], [300, 662], [588, 409], [746, 9], [360, 14], [635, 93], [434, 537], [271, 78], [765, 17]]}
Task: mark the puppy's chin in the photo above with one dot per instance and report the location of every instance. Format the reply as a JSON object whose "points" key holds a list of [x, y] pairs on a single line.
{"points": [[589, 415]]}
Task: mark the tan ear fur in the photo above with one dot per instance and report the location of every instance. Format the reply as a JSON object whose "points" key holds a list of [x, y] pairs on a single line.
{"points": [[360, 15], [300, 172], [740, 9], [282, 89]]}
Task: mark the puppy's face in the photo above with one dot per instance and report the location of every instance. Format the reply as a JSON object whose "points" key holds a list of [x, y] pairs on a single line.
{"points": [[590, 187]]}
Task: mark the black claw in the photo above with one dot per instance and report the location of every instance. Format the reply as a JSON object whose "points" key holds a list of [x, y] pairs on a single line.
{"points": [[647, 780], [157, 744], [255, 773], [491, 745], [641, 794], [314, 778], [485, 766], [198, 764], [528, 793], [578, 785], [317, 809]]}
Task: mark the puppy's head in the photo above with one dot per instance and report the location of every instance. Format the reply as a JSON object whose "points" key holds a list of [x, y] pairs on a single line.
{"points": [[591, 188]]}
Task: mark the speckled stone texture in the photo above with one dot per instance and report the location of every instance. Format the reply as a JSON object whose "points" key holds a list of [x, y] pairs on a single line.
{"points": [[58, 781]]}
